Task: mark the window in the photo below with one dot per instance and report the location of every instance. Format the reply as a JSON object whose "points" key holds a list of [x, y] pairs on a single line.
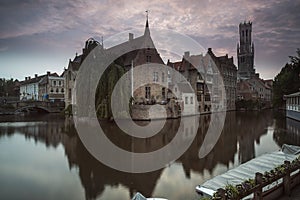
{"points": [[243, 59], [207, 97], [192, 100], [70, 76], [199, 97], [163, 92], [147, 92], [155, 76], [70, 93], [59, 83], [62, 90], [175, 89], [51, 90], [148, 59], [54, 83], [57, 90], [186, 100], [162, 77]]}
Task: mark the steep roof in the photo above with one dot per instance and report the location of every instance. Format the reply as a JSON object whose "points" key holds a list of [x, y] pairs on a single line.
{"points": [[222, 59], [131, 49], [36, 79], [175, 65], [297, 94], [184, 87]]}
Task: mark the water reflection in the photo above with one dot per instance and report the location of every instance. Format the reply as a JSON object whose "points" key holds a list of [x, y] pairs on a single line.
{"points": [[287, 131], [236, 145]]}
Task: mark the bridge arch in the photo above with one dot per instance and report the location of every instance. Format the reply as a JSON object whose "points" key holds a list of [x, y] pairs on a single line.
{"points": [[26, 108]]}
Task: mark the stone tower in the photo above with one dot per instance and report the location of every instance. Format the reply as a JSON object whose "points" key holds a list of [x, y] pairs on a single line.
{"points": [[245, 51]]}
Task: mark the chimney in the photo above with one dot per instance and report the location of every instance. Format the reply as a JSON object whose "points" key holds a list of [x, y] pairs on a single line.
{"points": [[186, 54], [36, 75], [29, 77], [48, 73], [209, 50], [26, 78], [130, 36]]}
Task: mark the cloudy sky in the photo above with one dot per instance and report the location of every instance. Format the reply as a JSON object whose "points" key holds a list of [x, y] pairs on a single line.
{"points": [[42, 35]]}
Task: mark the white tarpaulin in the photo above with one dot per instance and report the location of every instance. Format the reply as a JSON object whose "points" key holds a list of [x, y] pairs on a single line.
{"points": [[245, 171], [139, 196]]}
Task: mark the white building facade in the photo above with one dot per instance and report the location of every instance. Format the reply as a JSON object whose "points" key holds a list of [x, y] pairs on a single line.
{"points": [[29, 89]]}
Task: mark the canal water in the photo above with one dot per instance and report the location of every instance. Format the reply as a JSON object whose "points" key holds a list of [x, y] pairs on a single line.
{"points": [[41, 156]]}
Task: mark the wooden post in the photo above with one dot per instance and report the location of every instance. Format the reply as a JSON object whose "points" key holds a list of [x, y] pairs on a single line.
{"points": [[222, 193], [258, 182], [287, 180]]}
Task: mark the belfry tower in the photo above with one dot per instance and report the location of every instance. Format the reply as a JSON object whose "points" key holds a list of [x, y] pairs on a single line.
{"points": [[245, 51]]}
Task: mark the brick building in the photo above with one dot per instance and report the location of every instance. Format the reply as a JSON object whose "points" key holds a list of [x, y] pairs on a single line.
{"points": [[229, 74], [70, 73], [204, 74]]}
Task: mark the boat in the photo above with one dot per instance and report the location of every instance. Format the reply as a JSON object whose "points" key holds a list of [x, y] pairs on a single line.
{"points": [[293, 105], [139, 196], [246, 171]]}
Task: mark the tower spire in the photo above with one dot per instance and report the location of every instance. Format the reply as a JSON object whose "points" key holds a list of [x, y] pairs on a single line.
{"points": [[147, 15], [147, 31]]}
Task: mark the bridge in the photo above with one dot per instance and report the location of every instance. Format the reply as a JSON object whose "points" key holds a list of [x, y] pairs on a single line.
{"points": [[28, 106]]}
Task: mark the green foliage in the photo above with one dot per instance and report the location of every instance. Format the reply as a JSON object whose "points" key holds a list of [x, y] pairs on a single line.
{"points": [[232, 191], [205, 198], [249, 104], [104, 91], [287, 81], [68, 110], [7, 87]]}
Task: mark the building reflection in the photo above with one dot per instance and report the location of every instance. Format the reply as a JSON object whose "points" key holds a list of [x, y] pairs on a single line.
{"points": [[238, 131], [287, 131], [250, 127], [237, 137]]}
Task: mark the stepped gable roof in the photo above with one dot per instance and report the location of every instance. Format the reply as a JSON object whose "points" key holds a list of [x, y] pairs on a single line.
{"points": [[175, 65], [222, 59], [75, 64]]}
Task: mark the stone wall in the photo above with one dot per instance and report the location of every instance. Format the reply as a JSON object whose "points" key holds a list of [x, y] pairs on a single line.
{"points": [[156, 111]]}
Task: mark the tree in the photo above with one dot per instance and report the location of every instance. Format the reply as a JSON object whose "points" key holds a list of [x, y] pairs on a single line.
{"points": [[8, 87], [287, 81], [105, 88]]}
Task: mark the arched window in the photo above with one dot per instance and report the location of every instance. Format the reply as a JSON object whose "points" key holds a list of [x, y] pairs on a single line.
{"points": [[62, 90], [57, 90], [51, 90]]}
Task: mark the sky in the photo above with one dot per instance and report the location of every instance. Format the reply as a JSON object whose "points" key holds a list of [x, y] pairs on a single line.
{"points": [[42, 35]]}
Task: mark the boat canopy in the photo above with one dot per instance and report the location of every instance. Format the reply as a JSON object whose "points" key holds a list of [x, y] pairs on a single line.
{"points": [[247, 170], [297, 94], [139, 196]]}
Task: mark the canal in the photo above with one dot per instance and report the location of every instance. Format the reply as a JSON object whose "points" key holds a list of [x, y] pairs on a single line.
{"points": [[41, 156]]}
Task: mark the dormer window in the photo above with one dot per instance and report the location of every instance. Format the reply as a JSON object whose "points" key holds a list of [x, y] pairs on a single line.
{"points": [[148, 59]]}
